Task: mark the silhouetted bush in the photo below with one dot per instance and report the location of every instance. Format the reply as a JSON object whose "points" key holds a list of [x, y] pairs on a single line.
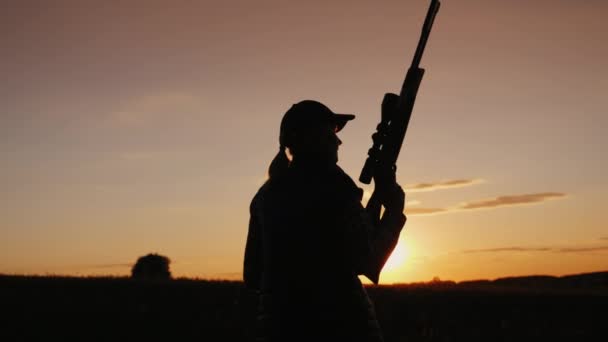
{"points": [[151, 266]]}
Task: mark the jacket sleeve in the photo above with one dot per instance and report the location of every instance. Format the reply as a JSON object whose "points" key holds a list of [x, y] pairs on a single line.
{"points": [[369, 241], [252, 265]]}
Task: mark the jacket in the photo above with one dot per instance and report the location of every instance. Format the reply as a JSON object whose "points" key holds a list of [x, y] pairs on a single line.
{"points": [[309, 238]]}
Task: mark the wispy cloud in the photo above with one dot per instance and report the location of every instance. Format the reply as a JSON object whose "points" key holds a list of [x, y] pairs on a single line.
{"points": [[583, 249], [432, 186], [425, 211], [508, 249], [577, 249], [512, 200], [155, 108], [408, 202], [412, 202], [493, 203]]}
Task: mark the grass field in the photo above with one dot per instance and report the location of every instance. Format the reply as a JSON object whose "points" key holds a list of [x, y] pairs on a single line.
{"points": [[122, 309]]}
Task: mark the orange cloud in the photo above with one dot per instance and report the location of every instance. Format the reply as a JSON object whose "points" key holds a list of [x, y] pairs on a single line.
{"points": [[497, 202], [583, 249], [580, 249], [412, 202], [508, 249], [424, 211], [456, 183], [512, 200]]}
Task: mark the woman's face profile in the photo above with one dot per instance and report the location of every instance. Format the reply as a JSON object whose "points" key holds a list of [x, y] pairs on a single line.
{"points": [[319, 143]]}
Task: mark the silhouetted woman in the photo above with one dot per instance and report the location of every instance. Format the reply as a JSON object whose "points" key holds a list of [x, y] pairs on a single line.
{"points": [[309, 236]]}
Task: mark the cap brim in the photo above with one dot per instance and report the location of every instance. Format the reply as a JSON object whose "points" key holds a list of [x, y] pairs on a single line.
{"points": [[341, 120]]}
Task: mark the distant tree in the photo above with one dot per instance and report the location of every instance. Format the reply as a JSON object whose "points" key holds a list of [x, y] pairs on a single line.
{"points": [[151, 266]]}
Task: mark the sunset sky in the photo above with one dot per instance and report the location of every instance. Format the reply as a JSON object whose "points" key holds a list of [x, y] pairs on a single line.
{"points": [[129, 127]]}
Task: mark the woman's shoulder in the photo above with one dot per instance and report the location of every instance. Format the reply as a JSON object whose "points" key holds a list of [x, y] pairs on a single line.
{"points": [[259, 196], [346, 184], [268, 190]]}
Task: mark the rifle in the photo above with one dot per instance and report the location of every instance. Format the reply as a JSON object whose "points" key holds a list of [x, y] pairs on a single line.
{"points": [[397, 110]]}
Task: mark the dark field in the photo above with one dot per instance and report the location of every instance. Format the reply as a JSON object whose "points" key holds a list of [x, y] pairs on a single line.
{"points": [[120, 309]]}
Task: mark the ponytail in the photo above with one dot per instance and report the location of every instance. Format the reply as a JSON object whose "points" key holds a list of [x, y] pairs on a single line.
{"points": [[279, 164]]}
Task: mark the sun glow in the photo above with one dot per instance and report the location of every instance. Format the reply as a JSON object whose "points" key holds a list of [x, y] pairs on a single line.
{"points": [[394, 267]]}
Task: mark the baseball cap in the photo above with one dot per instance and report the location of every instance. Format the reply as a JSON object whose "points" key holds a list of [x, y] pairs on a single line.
{"points": [[307, 114]]}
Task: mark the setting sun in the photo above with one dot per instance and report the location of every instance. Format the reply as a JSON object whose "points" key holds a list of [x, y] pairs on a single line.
{"points": [[395, 263]]}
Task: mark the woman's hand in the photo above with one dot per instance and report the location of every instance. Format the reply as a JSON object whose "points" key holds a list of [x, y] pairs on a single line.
{"points": [[389, 192]]}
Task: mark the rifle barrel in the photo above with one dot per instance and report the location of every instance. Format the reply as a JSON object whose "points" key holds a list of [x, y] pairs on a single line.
{"points": [[426, 31]]}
